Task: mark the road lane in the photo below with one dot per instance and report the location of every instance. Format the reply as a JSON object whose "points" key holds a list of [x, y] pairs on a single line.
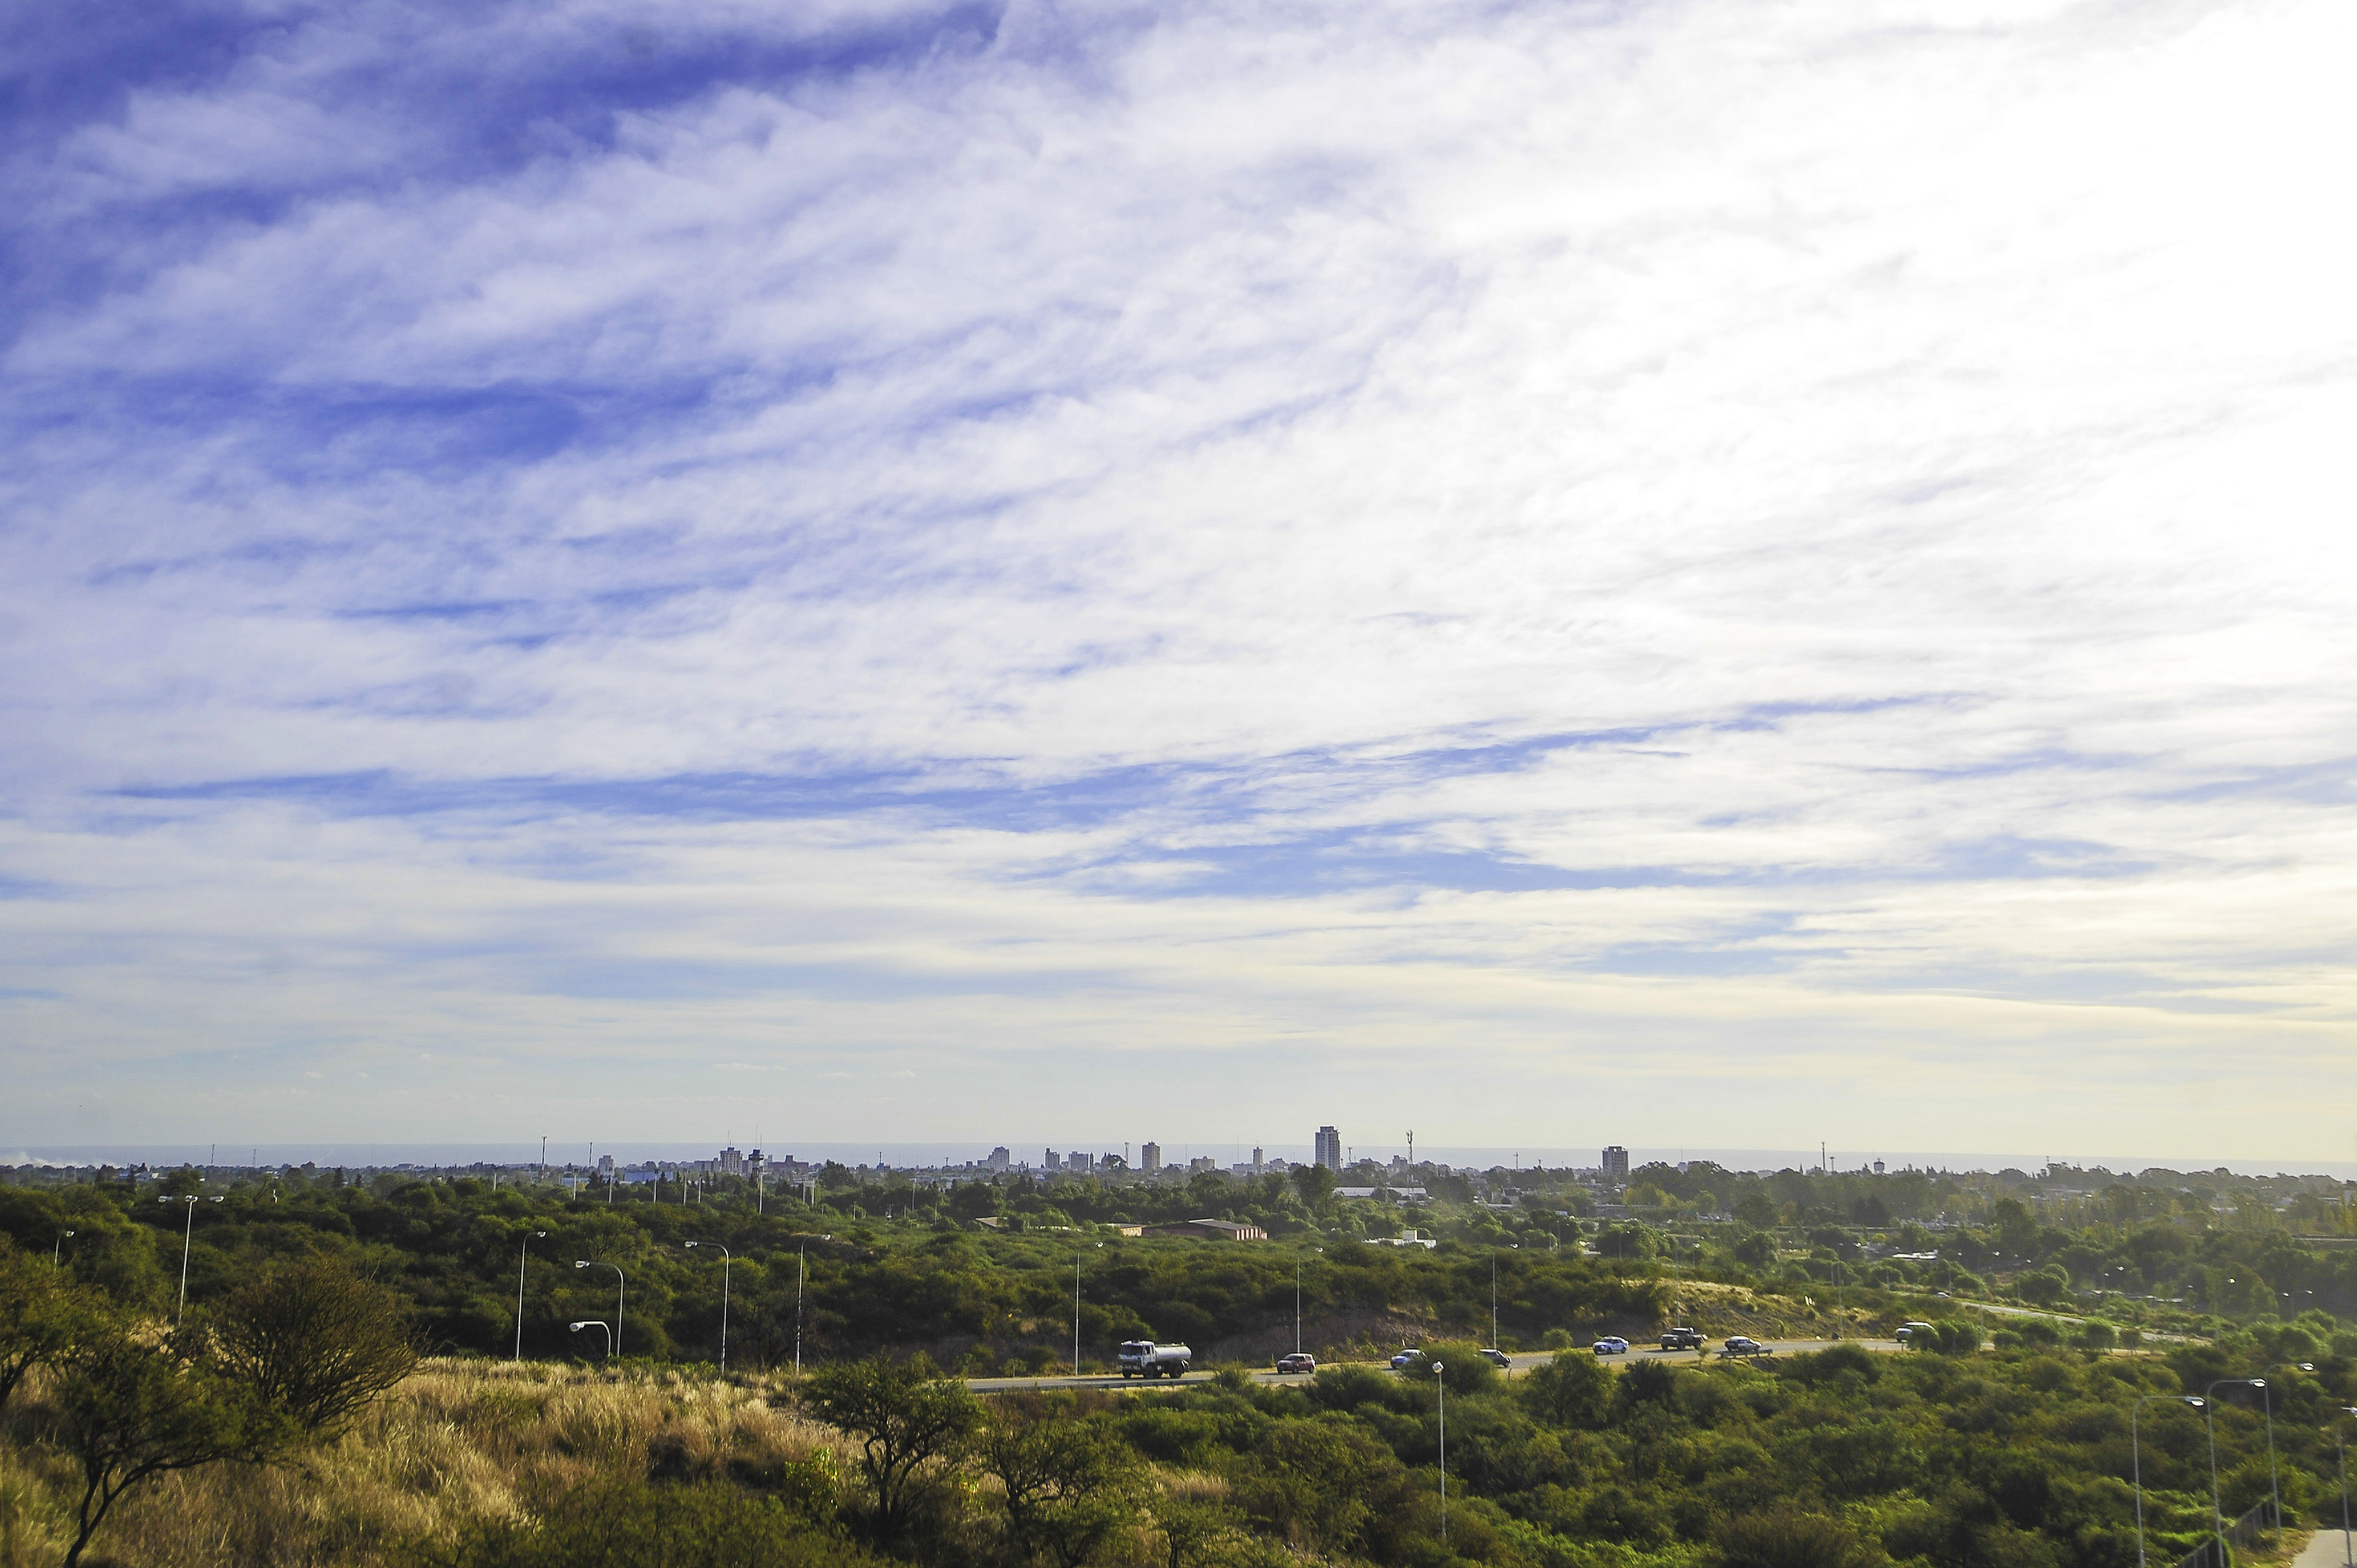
{"points": [[1523, 1361]]}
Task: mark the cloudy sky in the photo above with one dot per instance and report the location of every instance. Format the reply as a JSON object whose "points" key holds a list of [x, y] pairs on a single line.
{"points": [[1687, 572]]}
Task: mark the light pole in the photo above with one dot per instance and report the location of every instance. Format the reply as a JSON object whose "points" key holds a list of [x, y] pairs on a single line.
{"points": [[622, 1284], [1297, 1306], [187, 1231], [2275, 1491], [2348, 1551], [57, 1250], [1076, 1315], [801, 1273], [521, 1249], [1440, 1381], [2137, 1459], [2217, 1514], [593, 1323], [728, 1260]]}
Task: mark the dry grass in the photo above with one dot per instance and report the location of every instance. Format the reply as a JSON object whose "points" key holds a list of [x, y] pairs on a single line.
{"points": [[457, 1441]]}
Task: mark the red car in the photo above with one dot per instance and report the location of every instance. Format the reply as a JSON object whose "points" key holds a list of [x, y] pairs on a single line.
{"points": [[1299, 1361]]}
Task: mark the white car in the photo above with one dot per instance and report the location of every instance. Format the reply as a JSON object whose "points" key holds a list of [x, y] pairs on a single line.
{"points": [[1405, 1359], [1611, 1345]]}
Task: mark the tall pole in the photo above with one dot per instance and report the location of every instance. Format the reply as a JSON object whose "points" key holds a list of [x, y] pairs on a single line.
{"points": [[1076, 1315], [2217, 1512], [2348, 1551], [1493, 1299], [801, 1273], [2136, 1458], [622, 1284], [187, 1229], [727, 1260], [1440, 1381], [520, 1251], [57, 1250], [1297, 1306], [2275, 1492], [188, 1233]]}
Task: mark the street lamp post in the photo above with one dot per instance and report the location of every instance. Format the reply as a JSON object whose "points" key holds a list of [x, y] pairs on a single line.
{"points": [[2348, 1551], [2218, 1513], [521, 1249], [801, 1273], [1076, 1315], [188, 1231], [594, 1323], [1440, 1381], [1297, 1306], [2136, 1458], [622, 1284], [728, 1260], [57, 1250]]}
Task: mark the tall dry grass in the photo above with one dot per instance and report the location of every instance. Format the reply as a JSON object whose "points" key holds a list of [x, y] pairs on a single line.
{"points": [[455, 1443]]}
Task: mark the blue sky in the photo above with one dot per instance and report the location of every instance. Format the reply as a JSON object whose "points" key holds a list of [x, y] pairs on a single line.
{"points": [[1686, 575]]}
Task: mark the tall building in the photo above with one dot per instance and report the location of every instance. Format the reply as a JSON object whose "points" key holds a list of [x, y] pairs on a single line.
{"points": [[731, 1162], [1052, 1161], [1616, 1164], [1258, 1160], [1330, 1149], [1149, 1157], [999, 1158]]}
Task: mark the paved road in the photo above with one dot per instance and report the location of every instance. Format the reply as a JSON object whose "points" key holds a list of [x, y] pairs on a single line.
{"points": [[1523, 1362], [2328, 1550]]}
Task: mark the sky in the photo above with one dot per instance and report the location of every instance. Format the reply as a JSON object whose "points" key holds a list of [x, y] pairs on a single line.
{"points": [[1686, 574]]}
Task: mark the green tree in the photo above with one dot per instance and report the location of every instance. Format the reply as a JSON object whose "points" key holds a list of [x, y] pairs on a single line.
{"points": [[42, 1316], [1469, 1371], [906, 1415], [1785, 1537], [1065, 1483], [315, 1340], [134, 1410], [1573, 1390], [1313, 1184], [1759, 1211]]}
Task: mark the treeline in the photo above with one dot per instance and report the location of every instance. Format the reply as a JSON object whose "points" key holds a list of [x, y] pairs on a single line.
{"points": [[462, 1253]]}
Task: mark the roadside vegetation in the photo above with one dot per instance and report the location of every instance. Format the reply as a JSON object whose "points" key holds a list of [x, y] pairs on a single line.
{"points": [[286, 1416]]}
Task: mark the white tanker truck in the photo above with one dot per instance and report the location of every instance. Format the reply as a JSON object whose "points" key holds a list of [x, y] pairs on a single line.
{"points": [[1145, 1358]]}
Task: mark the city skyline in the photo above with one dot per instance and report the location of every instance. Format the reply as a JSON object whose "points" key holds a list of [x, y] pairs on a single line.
{"points": [[1694, 574]]}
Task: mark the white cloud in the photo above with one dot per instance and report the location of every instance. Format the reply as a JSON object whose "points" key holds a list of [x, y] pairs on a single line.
{"points": [[1903, 443]]}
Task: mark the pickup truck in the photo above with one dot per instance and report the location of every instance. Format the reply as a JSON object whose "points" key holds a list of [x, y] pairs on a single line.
{"points": [[1682, 1339], [1145, 1358]]}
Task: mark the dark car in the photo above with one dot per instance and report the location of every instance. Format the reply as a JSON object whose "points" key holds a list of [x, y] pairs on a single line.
{"points": [[1499, 1358], [1298, 1361], [1743, 1345], [1682, 1339]]}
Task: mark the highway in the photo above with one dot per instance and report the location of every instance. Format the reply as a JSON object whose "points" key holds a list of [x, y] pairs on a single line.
{"points": [[1524, 1361]]}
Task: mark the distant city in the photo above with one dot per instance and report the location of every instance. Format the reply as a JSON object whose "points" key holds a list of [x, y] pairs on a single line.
{"points": [[1148, 1161]]}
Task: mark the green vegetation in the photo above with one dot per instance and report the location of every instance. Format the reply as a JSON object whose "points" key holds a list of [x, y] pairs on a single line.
{"points": [[2003, 1441]]}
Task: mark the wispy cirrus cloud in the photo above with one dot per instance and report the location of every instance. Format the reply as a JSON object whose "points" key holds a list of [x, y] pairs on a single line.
{"points": [[1004, 535]]}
